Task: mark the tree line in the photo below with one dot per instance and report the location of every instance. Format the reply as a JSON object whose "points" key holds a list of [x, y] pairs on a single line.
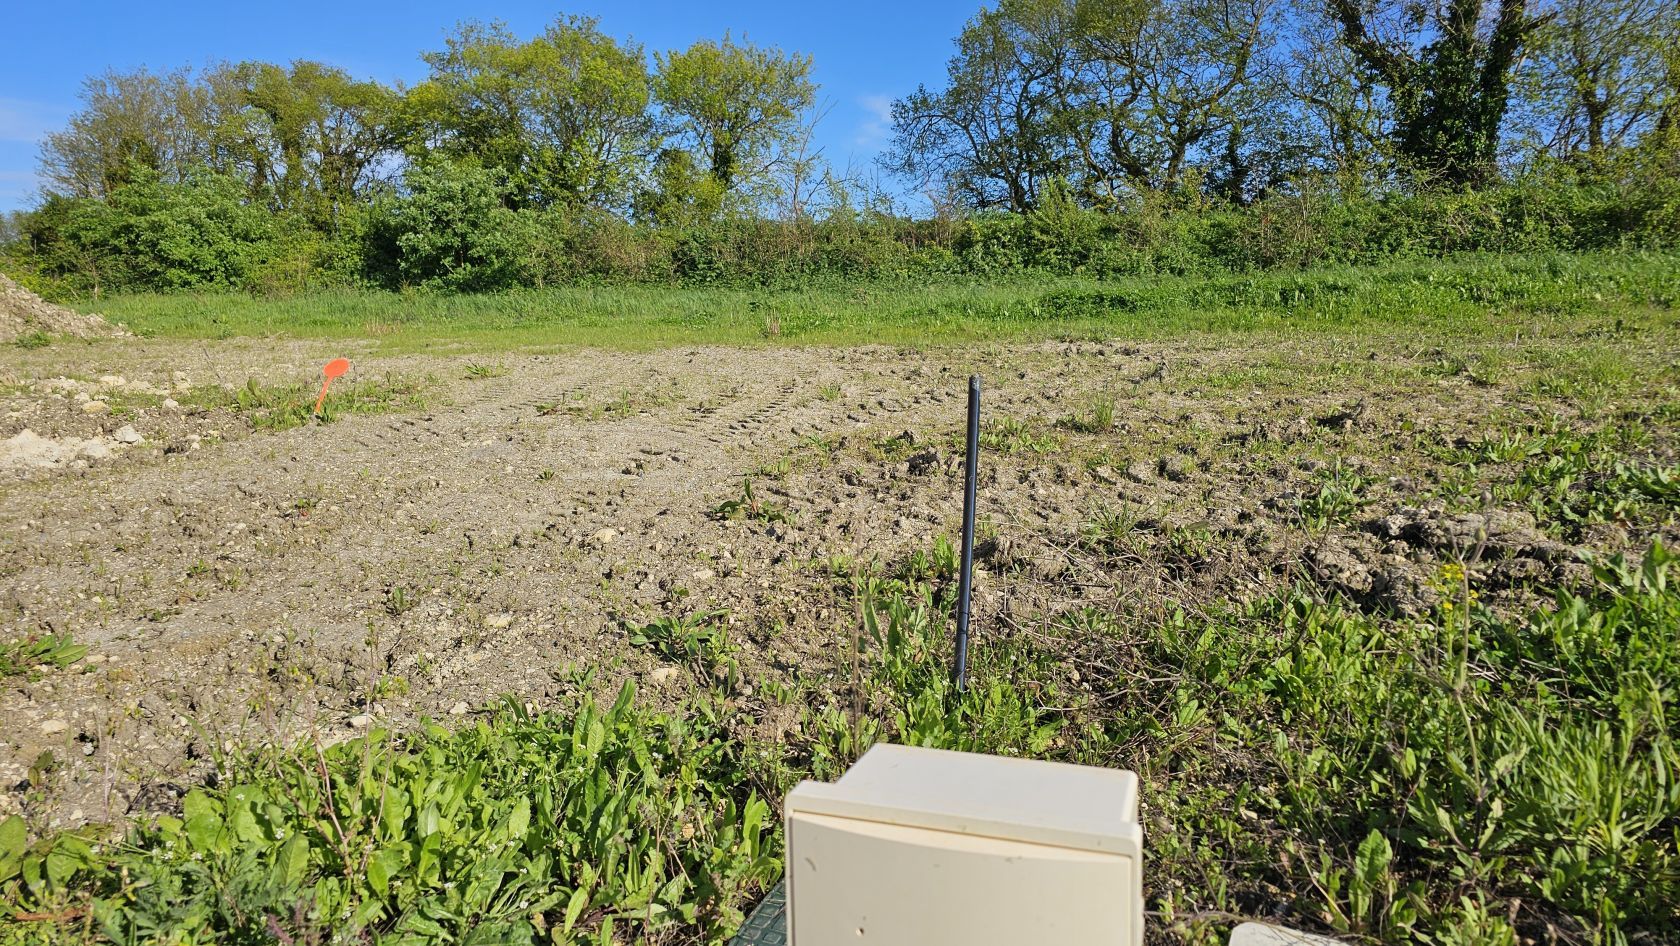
{"points": [[1100, 135]]}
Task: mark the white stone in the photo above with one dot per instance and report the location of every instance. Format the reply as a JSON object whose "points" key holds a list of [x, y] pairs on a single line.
{"points": [[498, 621], [170, 404], [96, 407], [127, 434], [459, 709], [361, 721], [53, 727]]}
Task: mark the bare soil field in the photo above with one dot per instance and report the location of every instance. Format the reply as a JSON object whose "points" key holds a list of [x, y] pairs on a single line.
{"points": [[512, 517]]}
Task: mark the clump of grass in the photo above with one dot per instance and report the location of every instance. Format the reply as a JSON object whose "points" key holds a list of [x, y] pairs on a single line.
{"points": [[1461, 298], [1116, 530], [32, 340], [478, 371], [400, 600], [277, 407], [1099, 419]]}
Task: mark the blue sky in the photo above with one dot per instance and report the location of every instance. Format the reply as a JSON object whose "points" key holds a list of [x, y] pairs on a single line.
{"points": [[866, 52]]}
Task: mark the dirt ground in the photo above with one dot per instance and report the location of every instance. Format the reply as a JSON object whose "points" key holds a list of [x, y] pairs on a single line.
{"points": [[238, 584]]}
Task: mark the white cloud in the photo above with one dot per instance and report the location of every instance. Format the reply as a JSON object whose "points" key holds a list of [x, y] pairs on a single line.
{"points": [[872, 133]]}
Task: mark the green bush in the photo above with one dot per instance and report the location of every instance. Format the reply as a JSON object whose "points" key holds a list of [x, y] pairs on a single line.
{"points": [[154, 235], [452, 231]]}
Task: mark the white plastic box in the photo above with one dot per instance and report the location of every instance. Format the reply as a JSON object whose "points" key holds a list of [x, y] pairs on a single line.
{"points": [[922, 847]]}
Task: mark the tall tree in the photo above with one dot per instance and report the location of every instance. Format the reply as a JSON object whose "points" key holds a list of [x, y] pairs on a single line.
{"points": [[737, 106], [129, 121], [994, 132], [1163, 84], [1597, 79], [312, 136], [564, 116], [1342, 114], [1446, 67], [1115, 96]]}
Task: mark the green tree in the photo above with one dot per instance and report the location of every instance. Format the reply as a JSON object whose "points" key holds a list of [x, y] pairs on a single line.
{"points": [[129, 122], [736, 106], [1159, 88], [1446, 69], [993, 132], [680, 193], [1596, 82], [564, 116], [311, 137], [1116, 96], [1341, 113]]}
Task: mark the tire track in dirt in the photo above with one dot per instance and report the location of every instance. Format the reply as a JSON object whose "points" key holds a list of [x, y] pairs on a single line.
{"points": [[249, 583]]}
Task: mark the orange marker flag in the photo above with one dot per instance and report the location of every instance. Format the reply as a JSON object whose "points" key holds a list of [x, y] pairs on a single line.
{"points": [[332, 370]]}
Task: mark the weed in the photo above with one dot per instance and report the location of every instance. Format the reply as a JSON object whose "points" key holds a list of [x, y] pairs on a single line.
{"points": [[749, 507], [24, 657], [1115, 530], [1099, 419], [587, 826], [1011, 435], [699, 642], [400, 600], [1338, 496], [479, 371]]}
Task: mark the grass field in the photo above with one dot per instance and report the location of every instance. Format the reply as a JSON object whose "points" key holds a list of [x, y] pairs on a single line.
{"points": [[1462, 298]]}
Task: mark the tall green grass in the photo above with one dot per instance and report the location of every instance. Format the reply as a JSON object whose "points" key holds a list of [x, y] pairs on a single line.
{"points": [[1466, 296]]}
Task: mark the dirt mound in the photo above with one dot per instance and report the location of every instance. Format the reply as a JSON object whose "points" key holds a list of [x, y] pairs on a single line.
{"points": [[23, 312], [1388, 566]]}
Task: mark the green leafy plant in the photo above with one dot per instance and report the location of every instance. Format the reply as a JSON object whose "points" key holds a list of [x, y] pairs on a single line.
{"points": [[25, 656], [750, 507], [575, 828]]}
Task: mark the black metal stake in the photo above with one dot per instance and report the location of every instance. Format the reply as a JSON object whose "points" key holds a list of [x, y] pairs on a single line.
{"points": [[965, 587]]}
